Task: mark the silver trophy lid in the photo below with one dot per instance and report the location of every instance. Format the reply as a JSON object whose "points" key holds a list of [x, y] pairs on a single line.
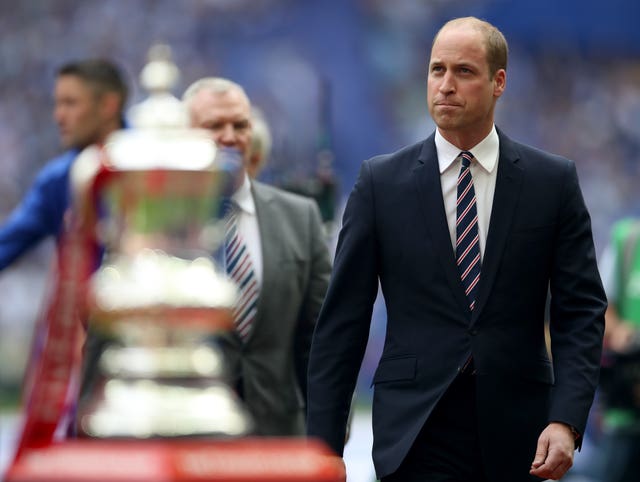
{"points": [[161, 109]]}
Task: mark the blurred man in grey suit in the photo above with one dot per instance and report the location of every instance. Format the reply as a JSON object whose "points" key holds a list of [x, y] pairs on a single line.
{"points": [[283, 235]]}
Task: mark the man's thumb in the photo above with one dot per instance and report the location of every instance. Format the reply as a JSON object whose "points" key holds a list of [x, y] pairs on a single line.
{"points": [[541, 452]]}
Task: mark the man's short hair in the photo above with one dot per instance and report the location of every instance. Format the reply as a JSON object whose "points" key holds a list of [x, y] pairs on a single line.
{"points": [[218, 85], [495, 42], [102, 75]]}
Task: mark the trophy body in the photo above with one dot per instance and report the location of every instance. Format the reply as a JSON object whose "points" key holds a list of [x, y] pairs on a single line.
{"points": [[159, 297]]}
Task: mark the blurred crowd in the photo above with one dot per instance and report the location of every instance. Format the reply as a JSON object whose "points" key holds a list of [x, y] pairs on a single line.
{"points": [[337, 81]]}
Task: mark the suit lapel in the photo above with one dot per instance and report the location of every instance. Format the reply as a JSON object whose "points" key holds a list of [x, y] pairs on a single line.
{"points": [[429, 191], [505, 199], [267, 226]]}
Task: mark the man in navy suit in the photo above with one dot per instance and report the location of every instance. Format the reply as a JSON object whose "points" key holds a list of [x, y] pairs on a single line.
{"points": [[465, 389]]}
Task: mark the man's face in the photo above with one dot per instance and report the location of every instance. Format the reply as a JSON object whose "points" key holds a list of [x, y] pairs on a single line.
{"points": [[226, 115], [460, 94], [77, 112]]}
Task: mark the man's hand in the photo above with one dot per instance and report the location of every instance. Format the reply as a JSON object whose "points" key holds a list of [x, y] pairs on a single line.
{"points": [[554, 454]]}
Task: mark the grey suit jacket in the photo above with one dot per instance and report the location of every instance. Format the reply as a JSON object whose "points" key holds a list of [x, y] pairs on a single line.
{"points": [[271, 366]]}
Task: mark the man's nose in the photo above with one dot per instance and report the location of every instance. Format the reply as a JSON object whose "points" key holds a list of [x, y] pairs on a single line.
{"points": [[447, 85], [227, 135]]}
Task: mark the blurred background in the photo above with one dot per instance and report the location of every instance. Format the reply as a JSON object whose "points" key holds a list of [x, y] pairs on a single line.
{"points": [[338, 81]]}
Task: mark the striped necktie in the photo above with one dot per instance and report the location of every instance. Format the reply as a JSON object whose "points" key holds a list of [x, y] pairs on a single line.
{"points": [[240, 269], [467, 238]]}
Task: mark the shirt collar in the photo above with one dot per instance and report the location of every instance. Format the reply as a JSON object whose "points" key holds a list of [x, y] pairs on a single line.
{"points": [[486, 151], [243, 198]]}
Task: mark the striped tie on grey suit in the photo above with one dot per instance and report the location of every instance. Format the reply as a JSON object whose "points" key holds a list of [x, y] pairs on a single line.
{"points": [[240, 268]]}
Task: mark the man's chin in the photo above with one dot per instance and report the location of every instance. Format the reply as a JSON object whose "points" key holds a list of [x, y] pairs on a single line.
{"points": [[446, 123], [74, 144], [68, 142]]}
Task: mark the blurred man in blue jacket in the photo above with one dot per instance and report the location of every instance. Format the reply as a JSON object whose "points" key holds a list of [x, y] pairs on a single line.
{"points": [[90, 96]]}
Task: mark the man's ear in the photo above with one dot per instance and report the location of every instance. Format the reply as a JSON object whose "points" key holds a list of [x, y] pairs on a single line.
{"points": [[499, 82], [110, 104]]}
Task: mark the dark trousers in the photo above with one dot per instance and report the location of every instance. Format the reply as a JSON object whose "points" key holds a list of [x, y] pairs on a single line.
{"points": [[447, 448]]}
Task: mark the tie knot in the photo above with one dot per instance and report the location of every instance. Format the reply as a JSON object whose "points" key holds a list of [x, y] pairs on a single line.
{"points": [[227, 207], [467, 157]]}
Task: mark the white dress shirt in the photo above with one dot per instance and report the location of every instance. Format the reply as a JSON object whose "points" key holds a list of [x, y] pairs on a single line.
{"points": [[484, 173], [248, 225]]}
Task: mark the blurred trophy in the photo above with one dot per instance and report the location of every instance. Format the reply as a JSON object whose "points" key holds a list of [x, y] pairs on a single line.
{"points": [[152, 198]]}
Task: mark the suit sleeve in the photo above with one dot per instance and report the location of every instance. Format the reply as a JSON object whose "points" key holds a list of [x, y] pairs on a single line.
{"points": [[342, 332], [577, 310], [319, 273]]}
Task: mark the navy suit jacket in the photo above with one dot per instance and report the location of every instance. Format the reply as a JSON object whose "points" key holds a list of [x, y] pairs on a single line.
{"points": [[395, 233]]}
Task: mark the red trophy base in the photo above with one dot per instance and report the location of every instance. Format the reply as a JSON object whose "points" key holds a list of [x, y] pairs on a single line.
{"points": [[242, 460]]}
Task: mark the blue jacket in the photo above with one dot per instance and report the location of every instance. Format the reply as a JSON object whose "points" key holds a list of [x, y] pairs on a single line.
{"points": [[41, 211]]}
